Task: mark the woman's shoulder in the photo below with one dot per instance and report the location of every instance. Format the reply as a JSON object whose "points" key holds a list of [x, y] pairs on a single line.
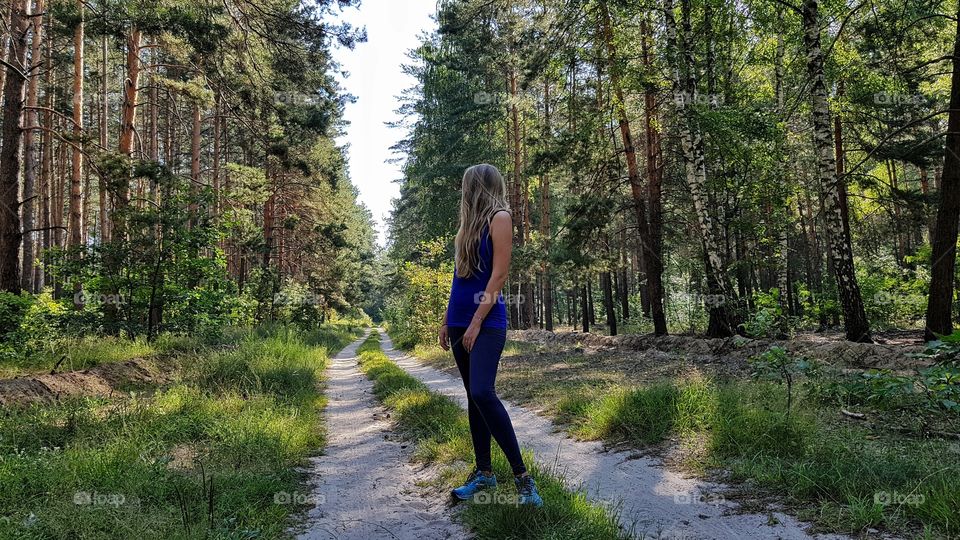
{"points": [[501, 218]]}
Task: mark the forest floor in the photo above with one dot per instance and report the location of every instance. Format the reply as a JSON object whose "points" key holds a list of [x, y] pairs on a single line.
{"points": [[652, 500], [631, 436], [681, 408]]}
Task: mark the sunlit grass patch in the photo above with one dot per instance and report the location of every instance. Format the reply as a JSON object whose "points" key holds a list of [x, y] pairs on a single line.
{"points": [[204, 458], [853, 478]]}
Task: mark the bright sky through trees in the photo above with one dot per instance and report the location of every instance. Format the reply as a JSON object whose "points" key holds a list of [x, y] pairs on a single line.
{"points": [[375, 77]]}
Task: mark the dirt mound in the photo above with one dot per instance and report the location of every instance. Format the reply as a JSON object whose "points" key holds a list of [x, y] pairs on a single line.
{"points": [[101, 380], [830, 349]]}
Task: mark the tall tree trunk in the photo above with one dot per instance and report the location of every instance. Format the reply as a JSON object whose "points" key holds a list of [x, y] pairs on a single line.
{"points": [[944, 252], [30, 161], [611, 313], [654, 193], [586, 308], [856, 326], [128, 124], [10, 233], [46, 165], [75, 225], [590, 308], [104, 140], [519, 207], [623, 289], [545, 230], [652, 269], [195, 164], [217, 135]]}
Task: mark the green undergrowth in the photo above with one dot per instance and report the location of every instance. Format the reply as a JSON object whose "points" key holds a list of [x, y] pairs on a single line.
{"points": [[845, 474], [211, 456], [440, 430], [842, 476]]}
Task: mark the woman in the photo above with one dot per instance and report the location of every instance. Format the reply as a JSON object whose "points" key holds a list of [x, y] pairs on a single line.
{"points": [[475, 325]]}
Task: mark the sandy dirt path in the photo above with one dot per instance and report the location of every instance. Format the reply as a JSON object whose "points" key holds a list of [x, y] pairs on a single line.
{"points": [[363, 486], [659, 503]]}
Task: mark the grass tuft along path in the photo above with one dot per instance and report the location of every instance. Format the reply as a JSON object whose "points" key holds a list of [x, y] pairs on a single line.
{"points": [[439, 428]]}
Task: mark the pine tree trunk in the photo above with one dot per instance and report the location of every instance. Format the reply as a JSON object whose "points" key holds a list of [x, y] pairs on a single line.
{"points": [[654, 195], [611, 313], [856, 326], [46, 165], [944, 252], [586, 309], [75, 225], [10, 232], [195, 164], [128, 120], [545, 230], [647, 253], [104, 140], [216, 158]]}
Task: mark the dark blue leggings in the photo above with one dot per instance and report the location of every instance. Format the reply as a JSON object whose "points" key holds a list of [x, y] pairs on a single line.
{"points": [[478, 368]]}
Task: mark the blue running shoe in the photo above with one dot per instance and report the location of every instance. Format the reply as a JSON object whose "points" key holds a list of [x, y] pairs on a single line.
{"points": [[527, 491], [475, 482]]}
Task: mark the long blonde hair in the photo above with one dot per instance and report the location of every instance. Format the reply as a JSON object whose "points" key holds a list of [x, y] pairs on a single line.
{"points": [[484, 194]]}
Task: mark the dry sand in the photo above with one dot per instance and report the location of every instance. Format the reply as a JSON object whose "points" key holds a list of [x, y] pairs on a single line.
{"points": [[363, 486]]}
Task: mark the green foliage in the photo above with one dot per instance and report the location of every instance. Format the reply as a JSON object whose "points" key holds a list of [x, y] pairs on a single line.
{"points": [[894, 297], [945, 350], [775, 363], [768, 319], [415, 310], [936, 388], [941, 386], [28, 323]]}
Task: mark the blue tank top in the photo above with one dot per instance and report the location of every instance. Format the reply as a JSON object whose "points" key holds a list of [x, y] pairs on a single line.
{"points": [[465, 293]]}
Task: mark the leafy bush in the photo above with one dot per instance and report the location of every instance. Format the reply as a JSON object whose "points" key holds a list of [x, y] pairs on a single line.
{"points": [[29, 323], [768, 321], [894, 297], [416, 310]]}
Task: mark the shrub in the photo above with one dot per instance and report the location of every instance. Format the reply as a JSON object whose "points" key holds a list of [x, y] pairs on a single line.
{"points": [[416, 311]]}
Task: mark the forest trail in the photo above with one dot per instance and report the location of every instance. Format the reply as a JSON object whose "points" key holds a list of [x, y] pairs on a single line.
{"points": [[363, 485], [660, 503]]}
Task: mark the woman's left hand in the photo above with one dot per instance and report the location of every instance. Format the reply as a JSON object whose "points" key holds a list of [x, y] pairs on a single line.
{"points": [[470, 336]]}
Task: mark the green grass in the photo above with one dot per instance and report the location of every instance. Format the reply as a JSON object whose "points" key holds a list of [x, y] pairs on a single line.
{"points": [[440, 430], [837, 476], [86, 352], [825, 467], [204, 458]]}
